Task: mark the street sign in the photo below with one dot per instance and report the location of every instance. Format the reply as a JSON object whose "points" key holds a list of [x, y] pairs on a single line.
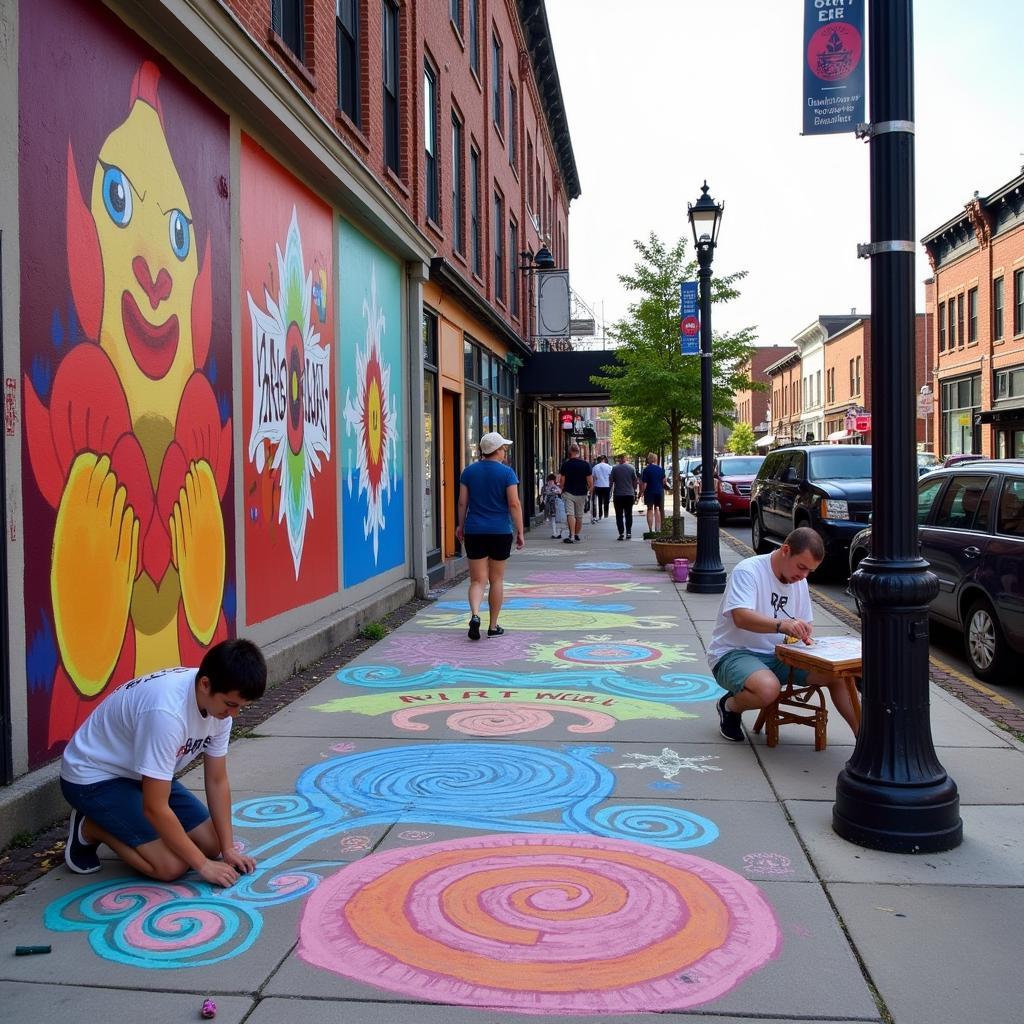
{"points": [[862, 424], [925, 405], [689, 319], [582, 328]]}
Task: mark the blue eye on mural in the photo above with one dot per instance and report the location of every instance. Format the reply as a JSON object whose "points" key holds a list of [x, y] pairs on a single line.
{"points": [[181, 234], [117, 195]]}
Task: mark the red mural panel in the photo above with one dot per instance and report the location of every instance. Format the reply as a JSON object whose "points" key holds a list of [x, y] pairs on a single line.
{"points": [[288, 390], [126, 365]]}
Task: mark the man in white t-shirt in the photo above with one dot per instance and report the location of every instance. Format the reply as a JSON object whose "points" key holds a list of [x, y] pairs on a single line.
{"points": [[602, 474], [767, 597], [118, 769]]}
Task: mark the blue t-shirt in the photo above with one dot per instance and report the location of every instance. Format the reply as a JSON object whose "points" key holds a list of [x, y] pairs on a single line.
{"points": [[653, 477], [487, 481]]}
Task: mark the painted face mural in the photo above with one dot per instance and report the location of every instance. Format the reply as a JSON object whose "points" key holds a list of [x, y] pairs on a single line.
{"points": [[127, 402], [288, 390]]}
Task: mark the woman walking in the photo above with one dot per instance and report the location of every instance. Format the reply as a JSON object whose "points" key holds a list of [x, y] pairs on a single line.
{"points": [[490, 518]]}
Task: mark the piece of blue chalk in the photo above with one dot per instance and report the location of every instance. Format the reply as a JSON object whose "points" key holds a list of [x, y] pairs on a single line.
{"points": [[30, 950]]}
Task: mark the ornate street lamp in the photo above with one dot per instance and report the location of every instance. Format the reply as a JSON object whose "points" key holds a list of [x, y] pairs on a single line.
{"points": [[707, 575]]}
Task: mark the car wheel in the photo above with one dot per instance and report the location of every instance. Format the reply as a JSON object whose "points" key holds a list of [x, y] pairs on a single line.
{"points": [[757, 539], [984, 645]]}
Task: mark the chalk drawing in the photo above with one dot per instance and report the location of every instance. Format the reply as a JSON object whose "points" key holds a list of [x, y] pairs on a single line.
{"points": [[541, 924], [407, 648], [549, 619], [767, 864], [670, 763], [601, 650]]}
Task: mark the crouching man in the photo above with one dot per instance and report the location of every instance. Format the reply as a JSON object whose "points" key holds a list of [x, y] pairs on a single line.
{"points": [[766, 599], [118, 769]]}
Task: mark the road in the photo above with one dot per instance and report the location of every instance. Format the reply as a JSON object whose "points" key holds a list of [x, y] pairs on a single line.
{"points": [[946, 644]]}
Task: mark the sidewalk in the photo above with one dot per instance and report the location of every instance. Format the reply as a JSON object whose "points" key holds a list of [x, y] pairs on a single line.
{"points": [[547, 823]]}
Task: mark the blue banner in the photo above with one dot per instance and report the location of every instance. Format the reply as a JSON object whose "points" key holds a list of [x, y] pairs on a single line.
{"points": [[833, 66], [689, 319]]}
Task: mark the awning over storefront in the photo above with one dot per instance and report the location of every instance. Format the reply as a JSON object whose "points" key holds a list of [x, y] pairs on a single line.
{"points": [[1001, 415], [841, 435], [764, 442]]}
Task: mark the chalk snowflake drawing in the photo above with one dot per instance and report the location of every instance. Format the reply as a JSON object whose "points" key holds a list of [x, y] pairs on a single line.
{"points": [[541, 924], [297, 432], [407, 648], [767, 864], [601, 650], [373, 417], [670, 763], [482, 786]]}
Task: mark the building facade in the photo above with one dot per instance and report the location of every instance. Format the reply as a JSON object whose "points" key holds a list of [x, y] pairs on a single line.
{"points": [[753, 406], [976, 339]]}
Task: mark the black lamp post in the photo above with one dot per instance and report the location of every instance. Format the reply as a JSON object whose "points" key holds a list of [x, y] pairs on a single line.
{"points": [[707, 575], [893, 794]]}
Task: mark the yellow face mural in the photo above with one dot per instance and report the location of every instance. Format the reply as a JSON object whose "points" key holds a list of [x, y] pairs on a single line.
{"points": [[144, 226]]}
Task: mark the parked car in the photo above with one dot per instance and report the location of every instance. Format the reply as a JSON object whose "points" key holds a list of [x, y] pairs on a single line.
{"points": [[824, 486], [971, 528], [733, 475], [955, 460], [686, 463], [926, 462], [688, 484]]}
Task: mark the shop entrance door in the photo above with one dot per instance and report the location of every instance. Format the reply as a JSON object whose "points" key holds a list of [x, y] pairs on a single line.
{"points": [[451, 462]]}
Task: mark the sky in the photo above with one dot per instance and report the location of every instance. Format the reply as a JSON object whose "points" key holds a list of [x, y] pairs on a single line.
{"points": [[663, 94]]}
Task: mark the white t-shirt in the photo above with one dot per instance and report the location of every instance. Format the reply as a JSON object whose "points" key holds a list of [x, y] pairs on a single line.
{"points": [[149, 726], [753, 585], [602, 473]]}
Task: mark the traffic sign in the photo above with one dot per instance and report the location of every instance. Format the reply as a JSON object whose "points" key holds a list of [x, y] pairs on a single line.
{"points": [[925, 405], [862, 424]]}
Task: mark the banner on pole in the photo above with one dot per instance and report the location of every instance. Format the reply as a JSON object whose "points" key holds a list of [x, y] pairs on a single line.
{"points": [[833, 66], [689, 319]]}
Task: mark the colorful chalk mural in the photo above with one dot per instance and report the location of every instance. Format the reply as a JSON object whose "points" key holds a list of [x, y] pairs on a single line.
{"points": [[550, 617], [372, 373], [602, 650], [289, 390], [541, 924], [126, 354], [406, 648]]}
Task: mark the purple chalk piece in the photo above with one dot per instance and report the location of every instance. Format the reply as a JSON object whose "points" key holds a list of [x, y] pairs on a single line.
{"points": [[209, 1010]]}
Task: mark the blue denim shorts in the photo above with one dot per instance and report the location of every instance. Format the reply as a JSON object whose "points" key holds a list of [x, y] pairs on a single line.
{"points": [[733, 669], [115, 805]]}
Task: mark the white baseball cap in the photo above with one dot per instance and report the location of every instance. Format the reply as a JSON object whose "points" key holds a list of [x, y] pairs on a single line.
{"points": [[491, 442]]}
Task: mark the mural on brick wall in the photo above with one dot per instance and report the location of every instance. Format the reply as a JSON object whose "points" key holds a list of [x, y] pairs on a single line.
{"points": [[288, 390], [126, 365], [373, 484]]}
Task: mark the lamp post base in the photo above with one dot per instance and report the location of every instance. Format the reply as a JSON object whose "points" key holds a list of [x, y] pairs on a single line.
{"points": [[711, 582]]}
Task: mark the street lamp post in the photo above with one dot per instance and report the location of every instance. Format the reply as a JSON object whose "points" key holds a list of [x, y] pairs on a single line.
{"points": [[707, 575], [893, 794]]}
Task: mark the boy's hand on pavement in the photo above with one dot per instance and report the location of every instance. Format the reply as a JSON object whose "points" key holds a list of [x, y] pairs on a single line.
{"points": [[239, 861], [218, 872]]}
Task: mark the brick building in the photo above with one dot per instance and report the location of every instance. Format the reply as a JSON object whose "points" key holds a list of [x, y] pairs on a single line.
{"points": [[976, 339], [785, 375], [753, 406]]}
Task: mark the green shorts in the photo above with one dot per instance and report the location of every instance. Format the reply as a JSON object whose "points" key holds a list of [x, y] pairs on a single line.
{"points": [[734, 668]]}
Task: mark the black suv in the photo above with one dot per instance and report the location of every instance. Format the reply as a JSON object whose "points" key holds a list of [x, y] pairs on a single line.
{"points": [[824, 486], [971, 527]]}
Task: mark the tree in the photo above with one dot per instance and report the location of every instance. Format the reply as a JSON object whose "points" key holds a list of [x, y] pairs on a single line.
{"points": [[653, 387], [741, 440]]}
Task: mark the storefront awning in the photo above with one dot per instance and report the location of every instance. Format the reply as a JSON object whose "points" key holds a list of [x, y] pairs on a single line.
{"points": [[763, 442], [841, 435], [997, 416]]}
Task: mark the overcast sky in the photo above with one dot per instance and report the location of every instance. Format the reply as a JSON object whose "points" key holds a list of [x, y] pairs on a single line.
{"points": [[661, 94]]}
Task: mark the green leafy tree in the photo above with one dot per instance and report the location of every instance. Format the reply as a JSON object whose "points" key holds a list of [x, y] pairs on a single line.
{"points": [[653, 387], [741, 440]]}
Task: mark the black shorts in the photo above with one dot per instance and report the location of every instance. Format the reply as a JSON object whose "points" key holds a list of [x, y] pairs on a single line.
{"points": [[488, 545], [655, 501]]}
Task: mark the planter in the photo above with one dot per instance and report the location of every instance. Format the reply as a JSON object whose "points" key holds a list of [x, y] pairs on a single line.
{"points": [[667, 551]]}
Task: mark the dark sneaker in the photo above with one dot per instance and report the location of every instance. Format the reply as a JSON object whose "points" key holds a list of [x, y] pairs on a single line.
{"points": [[497, 631], [620, 537], [474, 628], [568, 540], [79, 855], [730, 722], [576, 539], [629, 536]]}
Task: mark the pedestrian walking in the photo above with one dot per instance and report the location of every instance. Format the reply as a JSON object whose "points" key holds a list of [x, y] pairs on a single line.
{"points": [[602, 488], [624, 484], [576, 480], [118, 769], [652, 490], [550, 497], [490, 520]]}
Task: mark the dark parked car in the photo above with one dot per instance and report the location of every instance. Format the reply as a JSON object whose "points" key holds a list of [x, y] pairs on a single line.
{"points": [[733, 475], [955, 460], [824, 486], [971, 528]]}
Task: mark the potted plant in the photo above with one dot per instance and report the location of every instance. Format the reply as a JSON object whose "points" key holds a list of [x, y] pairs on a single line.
{"points": [[672, 544]]}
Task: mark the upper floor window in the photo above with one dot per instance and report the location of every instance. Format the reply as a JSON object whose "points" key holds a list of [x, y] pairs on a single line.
{"points": [[497, 83], [942, 327], [499, 246], [513, 254], [1018, 301], [288, 18], [433, 197], [997, 309], [951, 324], [474, 210], [972, 315], [389, 33], [458, 187], [960, 321], [474, 36], [1009, 383], [513, 123], [455, 13], [348, 58], [529, 172]]}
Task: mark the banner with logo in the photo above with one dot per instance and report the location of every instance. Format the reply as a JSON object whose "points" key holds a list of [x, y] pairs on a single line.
{"points": [[689, 319], [833, 66]]}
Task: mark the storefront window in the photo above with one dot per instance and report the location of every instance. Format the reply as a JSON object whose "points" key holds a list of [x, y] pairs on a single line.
{"points": [[473, 432], [431, 453], [961, 399], [487, 378]]}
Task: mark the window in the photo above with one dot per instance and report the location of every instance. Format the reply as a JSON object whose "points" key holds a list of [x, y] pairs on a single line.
{"points": [[997, 309], [513, 123], [951, 324], [965, 505], [819, 387], [455, 13], [942, 327], [1018, 301], [857, 379], [513, 250], [830, 385], [458, 188], [487, 394], [348, 58], [389, 26], [474, 210], [289, 22], [853, 389], [433, 196], [499, 247], [927, 492], [474, 36], [960, 400], [1009, 383], [497, 81], [960, 321], [1010, 519], [529, 172], [972, 315]]}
